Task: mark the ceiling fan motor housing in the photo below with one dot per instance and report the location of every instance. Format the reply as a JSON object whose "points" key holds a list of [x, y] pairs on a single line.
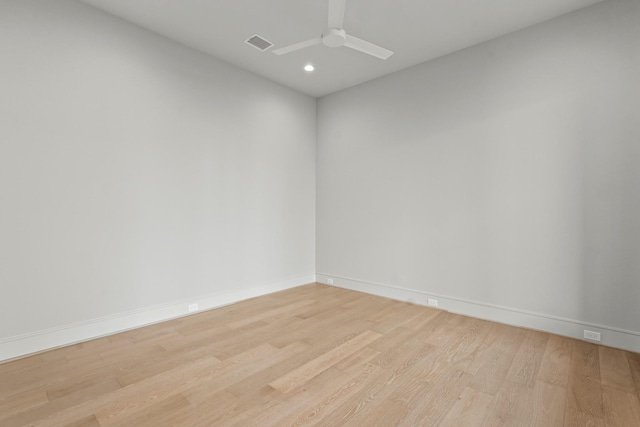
{"points": [[334, 37]]}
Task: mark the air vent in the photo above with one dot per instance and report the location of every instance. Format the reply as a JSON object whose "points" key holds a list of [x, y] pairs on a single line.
{"points": [[258, 42]]}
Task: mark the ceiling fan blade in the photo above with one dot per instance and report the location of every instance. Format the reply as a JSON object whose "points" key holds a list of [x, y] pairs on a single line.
{"points": [[336, 13], [366, 47], [297, 46]]}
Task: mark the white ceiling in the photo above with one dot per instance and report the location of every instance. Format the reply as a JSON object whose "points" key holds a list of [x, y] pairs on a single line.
{"points": [[416, 30]]}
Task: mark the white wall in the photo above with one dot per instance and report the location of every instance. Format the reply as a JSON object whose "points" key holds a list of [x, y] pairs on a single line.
{"points": [[506, 175], [136, 173]]}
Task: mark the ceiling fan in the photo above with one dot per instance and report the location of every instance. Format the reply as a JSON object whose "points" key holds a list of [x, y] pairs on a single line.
{"points": [[336, 36]]}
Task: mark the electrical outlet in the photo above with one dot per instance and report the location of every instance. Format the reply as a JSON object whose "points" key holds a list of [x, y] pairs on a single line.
{"points": [[329, 281], [590, 335], [432, 302], [192, 307]]}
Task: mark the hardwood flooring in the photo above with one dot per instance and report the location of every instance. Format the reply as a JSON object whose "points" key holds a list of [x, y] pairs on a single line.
{"points": [[325, 356]]}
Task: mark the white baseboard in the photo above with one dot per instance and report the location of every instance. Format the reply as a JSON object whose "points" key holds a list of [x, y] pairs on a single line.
{"points": [[21, 345], [611, 336]]}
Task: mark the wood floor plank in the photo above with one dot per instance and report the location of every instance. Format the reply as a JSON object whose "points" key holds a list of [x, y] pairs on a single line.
{"points": [[316, 366], [526, 363], [387, 413], [585, 388], [470, 410], [25, 363], [392, 340], [401, 315], [487, 348], [357, 359], [89, 421], [353, 407], [438, 398], [497, 362], [128, 354], [450, 356], [467, 338], [431, 366], [155, 332], [110, 406], [325, 356], [556, 361], [237, 343], [634, 365], [165, 413], [513, 406], [208, 370], [278, 365], [549, 405], [227, 413], [81, 390], [200, 324], [216, 335], [340, 321], [424, 318], [318, 413], [575, 418], [156, 364], [620, 408], [76, 398], [22, 401], [615, 371], [442, 334], [272, 315], [284, 409], [25, 379], [324, 310]]}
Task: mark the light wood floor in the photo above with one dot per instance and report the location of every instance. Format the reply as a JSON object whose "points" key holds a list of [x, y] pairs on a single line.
{"points": [[319, 355]]}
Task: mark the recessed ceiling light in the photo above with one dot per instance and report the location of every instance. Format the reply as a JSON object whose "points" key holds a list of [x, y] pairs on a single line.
{"points": [[309, 67]]}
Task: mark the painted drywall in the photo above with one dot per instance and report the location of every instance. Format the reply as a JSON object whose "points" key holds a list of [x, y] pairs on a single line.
{"points": [[136, 173], [506, 174]]}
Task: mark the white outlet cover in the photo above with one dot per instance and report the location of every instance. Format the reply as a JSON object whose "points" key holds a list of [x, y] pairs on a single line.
{"points": [[329, 281], [591, 335], [432, 302]]}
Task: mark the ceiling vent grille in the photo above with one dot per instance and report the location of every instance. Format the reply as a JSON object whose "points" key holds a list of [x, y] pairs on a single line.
{"points": [[258, 42]]}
